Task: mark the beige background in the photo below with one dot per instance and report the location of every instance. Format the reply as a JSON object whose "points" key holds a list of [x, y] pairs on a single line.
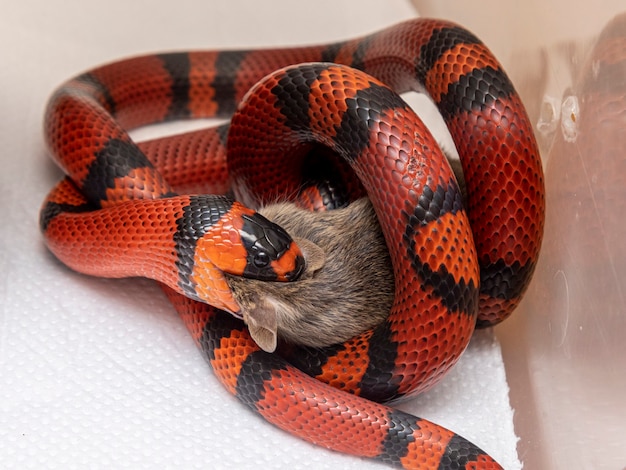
{"points": [[101, 374]]}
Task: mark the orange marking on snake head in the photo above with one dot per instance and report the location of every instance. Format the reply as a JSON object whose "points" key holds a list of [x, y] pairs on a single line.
{"points": [[218, 251], [288, 263], [222, 244], [211, 287], [222, 248]]}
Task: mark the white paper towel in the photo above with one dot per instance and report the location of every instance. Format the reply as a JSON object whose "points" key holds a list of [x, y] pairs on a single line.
{"points": [[99, 373]]}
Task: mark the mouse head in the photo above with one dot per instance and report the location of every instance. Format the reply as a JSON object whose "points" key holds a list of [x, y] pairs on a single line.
{"points": [[260, 308]]}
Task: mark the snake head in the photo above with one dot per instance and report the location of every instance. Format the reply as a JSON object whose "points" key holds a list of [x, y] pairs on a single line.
{"points": [[261, 305], [221, 237], [272, 255]]}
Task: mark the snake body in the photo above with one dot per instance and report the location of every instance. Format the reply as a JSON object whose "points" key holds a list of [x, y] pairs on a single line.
{"points": [[121, 200]]}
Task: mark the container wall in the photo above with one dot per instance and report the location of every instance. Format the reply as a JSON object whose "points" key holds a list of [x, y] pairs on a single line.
{"points": [[565, 348]]}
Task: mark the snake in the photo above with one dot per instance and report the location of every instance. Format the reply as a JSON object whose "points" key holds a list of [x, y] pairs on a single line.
{"points": [[124, 209]]}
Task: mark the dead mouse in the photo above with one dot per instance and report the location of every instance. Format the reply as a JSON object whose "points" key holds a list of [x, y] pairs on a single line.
{"points": [[347, 286]]}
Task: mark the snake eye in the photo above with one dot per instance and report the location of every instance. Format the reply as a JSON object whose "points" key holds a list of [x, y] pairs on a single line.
{"points": [[261, 259]]}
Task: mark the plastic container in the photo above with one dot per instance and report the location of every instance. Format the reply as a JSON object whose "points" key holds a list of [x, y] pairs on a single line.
{"points": [[565, 347]]}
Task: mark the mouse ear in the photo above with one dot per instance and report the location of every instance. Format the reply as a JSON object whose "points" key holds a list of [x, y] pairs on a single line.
{"points": [[314, 256], [262, 324]]}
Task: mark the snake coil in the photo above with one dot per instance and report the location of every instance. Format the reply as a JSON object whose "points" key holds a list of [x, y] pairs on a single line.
{"points": [[119, 212]]}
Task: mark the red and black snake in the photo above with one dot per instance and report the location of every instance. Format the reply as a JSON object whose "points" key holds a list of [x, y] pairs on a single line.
{"points": [[118, 213]]}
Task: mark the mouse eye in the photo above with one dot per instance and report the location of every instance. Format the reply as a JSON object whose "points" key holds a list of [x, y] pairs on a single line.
{"points": [[261, 259]]}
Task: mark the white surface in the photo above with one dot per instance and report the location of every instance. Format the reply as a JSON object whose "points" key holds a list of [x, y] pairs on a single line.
{"points": [[102, 374]]}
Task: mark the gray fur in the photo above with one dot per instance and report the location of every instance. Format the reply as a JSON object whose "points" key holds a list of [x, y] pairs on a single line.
{"points": [[347, 287]]}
